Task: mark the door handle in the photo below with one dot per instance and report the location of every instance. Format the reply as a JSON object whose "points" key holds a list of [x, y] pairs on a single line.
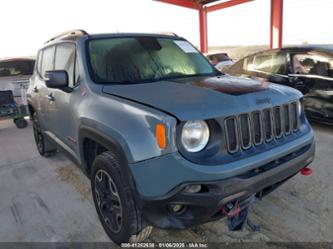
{"points": [[35, 89], [50, 97]]}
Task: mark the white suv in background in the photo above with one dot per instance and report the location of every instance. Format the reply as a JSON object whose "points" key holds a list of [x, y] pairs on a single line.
{"points": [[15, 75]]}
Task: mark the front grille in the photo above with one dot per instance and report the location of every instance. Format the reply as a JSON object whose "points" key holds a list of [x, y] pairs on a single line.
{"points": [[231, 131], [245, 130], [294, 119], [277, 121], [286, 116], [258, 127], [268, 124]]}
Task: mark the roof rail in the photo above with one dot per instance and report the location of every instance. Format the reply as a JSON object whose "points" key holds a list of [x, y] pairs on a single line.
{"points": [[75, 32], [168, 33]]}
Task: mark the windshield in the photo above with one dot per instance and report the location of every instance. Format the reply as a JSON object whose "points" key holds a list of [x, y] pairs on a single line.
{"points": [[16, 67], [144, 59]]}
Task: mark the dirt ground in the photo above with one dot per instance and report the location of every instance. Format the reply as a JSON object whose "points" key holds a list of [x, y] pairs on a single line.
{"points": [[49, 199]]}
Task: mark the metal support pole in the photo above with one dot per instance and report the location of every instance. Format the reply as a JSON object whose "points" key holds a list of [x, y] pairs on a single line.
{"points": [[276, 26], [203, 30]]}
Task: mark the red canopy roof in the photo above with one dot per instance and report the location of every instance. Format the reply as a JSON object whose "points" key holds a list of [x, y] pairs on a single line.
{"points": [[211, 5]]}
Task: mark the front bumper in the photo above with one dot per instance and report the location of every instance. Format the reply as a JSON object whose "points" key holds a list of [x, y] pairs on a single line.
{"points": [[218, 188]]}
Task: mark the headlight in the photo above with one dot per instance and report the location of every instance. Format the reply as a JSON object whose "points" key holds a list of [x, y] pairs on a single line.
{"points": [[195, 135]]}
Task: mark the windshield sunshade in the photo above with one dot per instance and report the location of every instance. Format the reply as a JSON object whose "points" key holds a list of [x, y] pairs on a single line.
{"points": [[144, 59]]}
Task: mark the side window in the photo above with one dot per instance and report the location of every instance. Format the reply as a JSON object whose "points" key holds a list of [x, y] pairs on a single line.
{"points": [[313, 64], [263, 63], [47, 60], [39, 61], [77, 72], [279, 64], [65, 60], [248, 64]]}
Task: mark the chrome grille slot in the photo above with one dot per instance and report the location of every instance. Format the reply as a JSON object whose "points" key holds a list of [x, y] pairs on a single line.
{"points": [[294, 116], [231, 134], [268, 126], [245, 130], [286, 119], [256, 128], [277, 121]]}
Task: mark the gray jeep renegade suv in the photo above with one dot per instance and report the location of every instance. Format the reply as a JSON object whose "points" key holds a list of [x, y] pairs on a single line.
{"points": [[166, 139]]}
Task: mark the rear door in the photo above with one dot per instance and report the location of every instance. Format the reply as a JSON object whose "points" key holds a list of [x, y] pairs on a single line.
{"points": [[45, 106]]}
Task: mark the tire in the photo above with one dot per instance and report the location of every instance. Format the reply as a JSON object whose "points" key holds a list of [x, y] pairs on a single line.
{"points": [[114, 201], [21, 123], [43, 146]]}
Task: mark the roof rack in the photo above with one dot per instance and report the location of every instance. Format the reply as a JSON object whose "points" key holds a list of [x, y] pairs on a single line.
{"points": [[75, 32], [168, 33]]}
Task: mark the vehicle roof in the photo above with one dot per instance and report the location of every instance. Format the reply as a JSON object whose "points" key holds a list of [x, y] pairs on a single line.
{"points": [[106, 35], [300, 49], [110, 35], [16, 59]]}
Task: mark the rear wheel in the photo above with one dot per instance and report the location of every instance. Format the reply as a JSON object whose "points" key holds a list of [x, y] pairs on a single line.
{"points": [[43, 146], [114, 202], [20, 123]]}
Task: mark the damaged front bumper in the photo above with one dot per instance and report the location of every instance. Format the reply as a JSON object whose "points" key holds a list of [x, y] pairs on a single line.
{"points": [[180, 208]]}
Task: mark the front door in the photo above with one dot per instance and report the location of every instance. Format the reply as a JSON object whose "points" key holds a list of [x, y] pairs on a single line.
{"points": [[65, 103], [313, 74]]}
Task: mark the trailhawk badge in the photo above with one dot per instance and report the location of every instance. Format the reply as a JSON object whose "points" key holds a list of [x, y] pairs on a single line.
{"points": [[263, 101]]}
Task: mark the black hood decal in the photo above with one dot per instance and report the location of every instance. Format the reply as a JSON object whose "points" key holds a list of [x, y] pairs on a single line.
{"points": [[231, 85]]}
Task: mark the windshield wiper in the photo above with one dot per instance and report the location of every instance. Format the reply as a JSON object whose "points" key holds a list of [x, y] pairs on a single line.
{"points": [[189, 76]]}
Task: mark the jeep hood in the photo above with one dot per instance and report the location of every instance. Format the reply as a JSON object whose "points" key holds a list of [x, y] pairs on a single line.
{"points": [[205, 97]]}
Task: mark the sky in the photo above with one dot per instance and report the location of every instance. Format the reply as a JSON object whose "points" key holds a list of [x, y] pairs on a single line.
{"points": [[27, 24]]}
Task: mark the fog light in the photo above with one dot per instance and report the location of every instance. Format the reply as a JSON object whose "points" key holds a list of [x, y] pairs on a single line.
{"points": [[192, 189], [176, 208]]}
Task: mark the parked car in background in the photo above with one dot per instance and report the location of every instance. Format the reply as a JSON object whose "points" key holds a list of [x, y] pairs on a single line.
{"points": [[308, 69], [165, 138], [14, 76], [220, 61]]}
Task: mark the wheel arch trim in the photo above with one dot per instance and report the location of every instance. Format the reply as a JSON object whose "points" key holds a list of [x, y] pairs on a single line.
{"points": [[107, 141]]}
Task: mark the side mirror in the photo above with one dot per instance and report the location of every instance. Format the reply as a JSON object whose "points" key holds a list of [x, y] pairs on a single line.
{"points": [[330, 72], [276, 78], [57, 79], [297, 82]]}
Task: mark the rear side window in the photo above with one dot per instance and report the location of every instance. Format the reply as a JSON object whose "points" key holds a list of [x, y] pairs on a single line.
{"points": [[65, 60], [47, 60]]}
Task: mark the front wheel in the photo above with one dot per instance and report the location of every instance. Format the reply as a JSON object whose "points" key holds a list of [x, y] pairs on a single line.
{"points": [[114, 202]]}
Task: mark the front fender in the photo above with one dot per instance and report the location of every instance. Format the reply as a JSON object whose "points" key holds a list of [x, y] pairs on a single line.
{"points": [[130, 125]]}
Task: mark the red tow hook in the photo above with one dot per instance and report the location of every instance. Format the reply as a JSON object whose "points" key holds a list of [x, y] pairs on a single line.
{"points": [[306, 171], [231, 211]]}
